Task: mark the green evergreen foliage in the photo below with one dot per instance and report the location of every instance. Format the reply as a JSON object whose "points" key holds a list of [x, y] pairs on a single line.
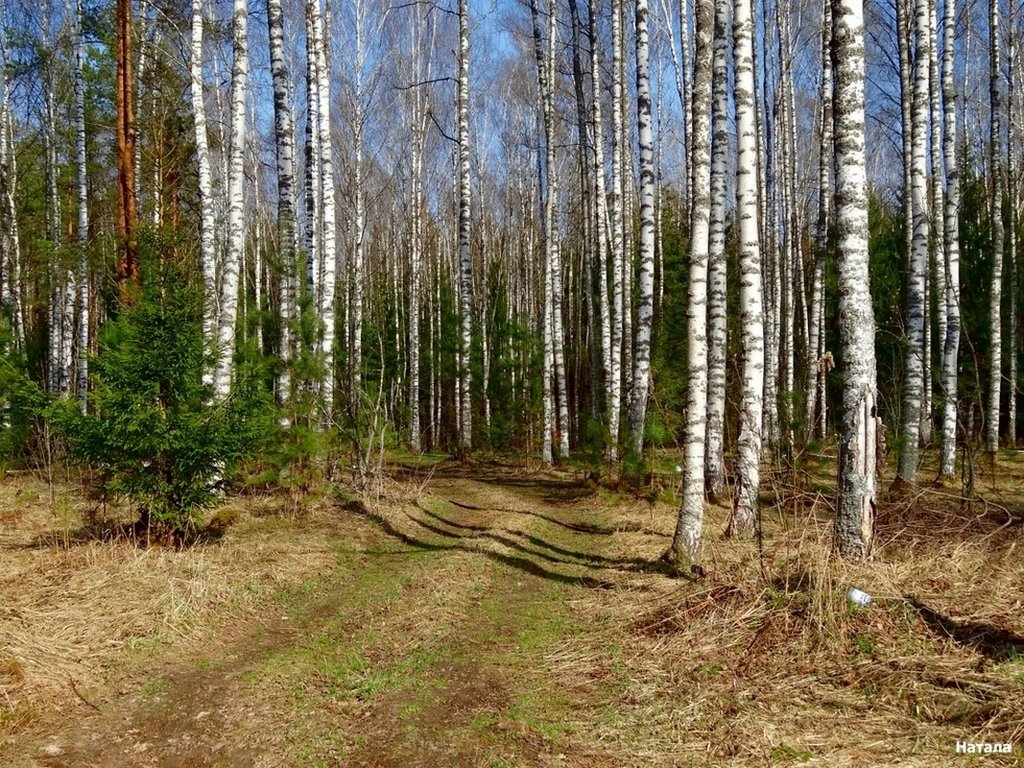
{"points": [[21, 399], [887, 254], [665, 420], [151, 429], [295, 461]]}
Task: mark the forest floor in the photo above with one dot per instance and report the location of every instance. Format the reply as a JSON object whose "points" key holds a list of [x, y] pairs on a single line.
{"points": [[490, 615]]}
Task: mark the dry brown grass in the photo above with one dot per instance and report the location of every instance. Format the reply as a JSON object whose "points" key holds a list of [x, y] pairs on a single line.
{"points": [[763, 661], [76, 599]]}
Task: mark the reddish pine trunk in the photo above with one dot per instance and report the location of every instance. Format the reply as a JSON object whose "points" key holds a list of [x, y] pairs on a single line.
{"points": [[128, 267]]}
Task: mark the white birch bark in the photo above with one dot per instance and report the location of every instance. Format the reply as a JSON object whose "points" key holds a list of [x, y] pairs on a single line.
{"points": [[937, 208], [557, 330], [602, 224], [816, 365], [951, 341], [465, 256], [686, 540], [311, 184], [748, 454], [58, 349], [645, 285], [791, 256], [1012, 181], [287, 234], [421, 72], [548, 390], [11, 290], [82, 281], [856, 504], [358, 224], [913, 386], [327, 268], [714, 456], [548, 221], [236, 204], [207, 212], [618, 237], [995, 172]]}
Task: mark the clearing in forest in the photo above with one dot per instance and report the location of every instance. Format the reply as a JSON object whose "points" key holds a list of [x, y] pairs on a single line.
{"points": [[492, 616]]}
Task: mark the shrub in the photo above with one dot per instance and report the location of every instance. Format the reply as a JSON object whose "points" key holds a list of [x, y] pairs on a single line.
{"points": [[151, 430]]}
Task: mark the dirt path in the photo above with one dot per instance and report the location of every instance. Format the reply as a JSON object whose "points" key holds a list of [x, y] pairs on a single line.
{"points": [[431, 644]]}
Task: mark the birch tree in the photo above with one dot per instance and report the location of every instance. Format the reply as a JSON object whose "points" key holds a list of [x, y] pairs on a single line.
{"points": [[714, 456], [601, 223], [236, 204], [748, 453], [913, 386], [951, 341], [284, 141], [856, 503], [995, 294], [645, 308], [82, 297], [327, 253], [1013, 123], [686, 540], [207, 211], [10, 241], [465, 256], [618, 236], [814, 388], [420, 106]]}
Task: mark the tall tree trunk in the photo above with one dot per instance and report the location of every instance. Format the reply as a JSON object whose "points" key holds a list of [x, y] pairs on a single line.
{"points": [[311, 184], [287, 234], [855, 509], [553, 356], [816, 363], [207, 215], [645, 306], [686, 540], [937, 207], [618, 236], [748, 464], [1013, 126], [128, 268], [421, 73], [465, 256], [59, 322], [951, 341], [995, 295], [10, 243], [327, 268], [236, 204], [718, 326], [913, 386], [82, 297], [601, 224]]}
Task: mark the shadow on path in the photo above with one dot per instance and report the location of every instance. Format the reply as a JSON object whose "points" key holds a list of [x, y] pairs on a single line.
{"points": [[523, 564]]}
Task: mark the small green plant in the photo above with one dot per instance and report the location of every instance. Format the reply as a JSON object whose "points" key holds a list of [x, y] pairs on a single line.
{"points": [[152, 430], [864, 644], [786, 752]]}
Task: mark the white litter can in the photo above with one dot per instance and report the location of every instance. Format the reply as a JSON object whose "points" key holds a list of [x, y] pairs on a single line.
{"points": [[858, 597]]}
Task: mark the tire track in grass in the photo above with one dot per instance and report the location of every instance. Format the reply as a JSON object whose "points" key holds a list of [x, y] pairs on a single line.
{"points": [[201, 712], [429, 646], [489, 700]]}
